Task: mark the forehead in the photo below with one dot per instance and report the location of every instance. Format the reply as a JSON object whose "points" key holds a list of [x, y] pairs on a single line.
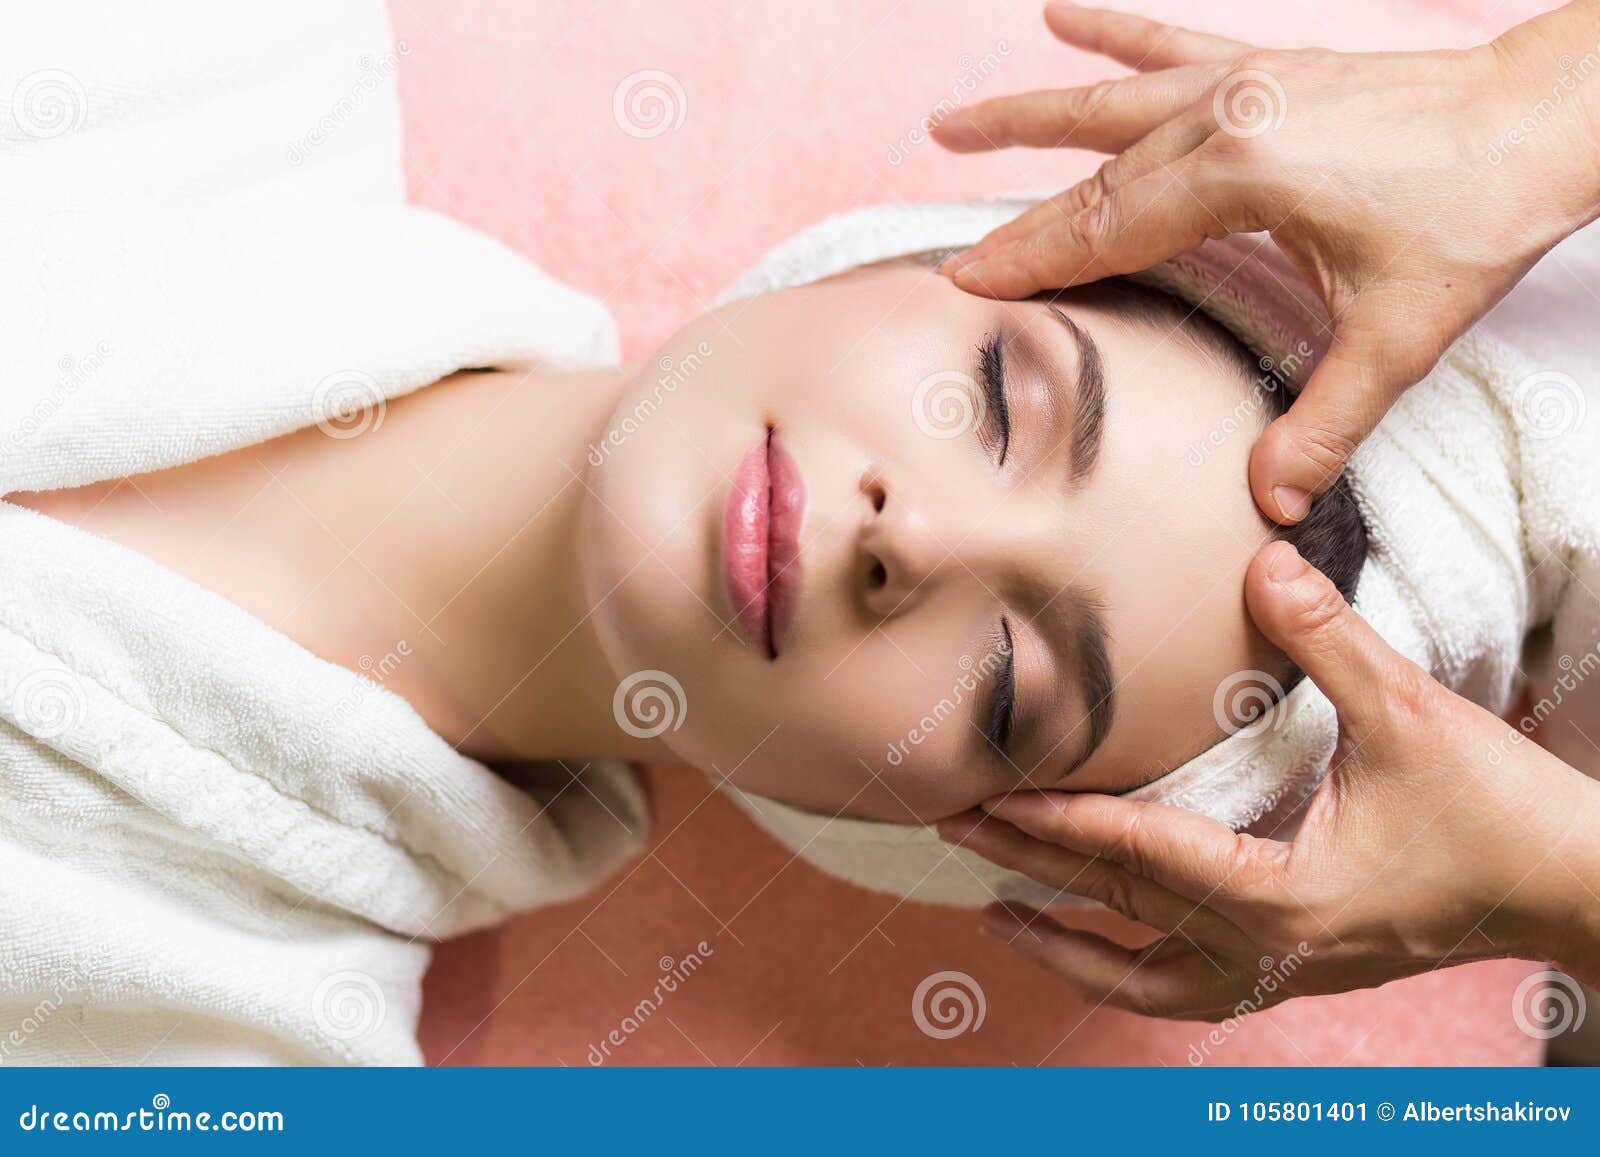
{"points": [[1171, 506]]}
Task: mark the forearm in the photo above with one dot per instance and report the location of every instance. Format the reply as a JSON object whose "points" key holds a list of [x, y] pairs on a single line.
{"points": [[1557, 902], [1578, 951]]}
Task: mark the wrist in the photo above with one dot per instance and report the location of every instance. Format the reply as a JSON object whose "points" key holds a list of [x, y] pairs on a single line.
{"points": [[1548, 71], [1553, 912]]}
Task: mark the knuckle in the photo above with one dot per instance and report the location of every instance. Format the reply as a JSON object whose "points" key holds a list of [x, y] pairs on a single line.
{"points": [[1091, 99], [1318, 614], [1099, 185], [1252, 863], [1116, 891], [1234, 149], [1327, 450], [1128, 848], [1138, 997], [1262, 60], [1096, 225]]}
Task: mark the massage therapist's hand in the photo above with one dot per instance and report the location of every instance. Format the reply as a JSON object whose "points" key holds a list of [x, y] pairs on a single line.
{"points": [[1421, 848], [1412, 190]]}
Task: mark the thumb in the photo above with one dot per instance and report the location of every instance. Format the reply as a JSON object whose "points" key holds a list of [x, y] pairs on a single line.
{"points": [[1303, 452], [1303, 614]]}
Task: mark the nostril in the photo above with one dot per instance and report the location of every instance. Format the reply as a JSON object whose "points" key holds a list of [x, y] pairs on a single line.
{"points": [[878, 576], [872, 486]]}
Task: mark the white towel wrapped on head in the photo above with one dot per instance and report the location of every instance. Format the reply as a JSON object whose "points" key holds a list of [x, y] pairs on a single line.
{"points": [[1480, 492]]}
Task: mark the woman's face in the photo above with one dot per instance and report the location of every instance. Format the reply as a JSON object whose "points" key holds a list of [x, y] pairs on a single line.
{"points": [[903, 548]]}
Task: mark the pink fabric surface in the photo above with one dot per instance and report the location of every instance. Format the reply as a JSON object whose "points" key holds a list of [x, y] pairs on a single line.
{"points": [[790, 112]]}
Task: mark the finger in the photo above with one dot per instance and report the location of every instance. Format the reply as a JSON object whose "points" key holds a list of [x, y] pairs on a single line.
{"points": [[1163, 146], [1303, 452], [1089, 876], [1304, 615], [1186, 853], [1148, 220], [1168, 979], [1135, 41], [1106, 117]]}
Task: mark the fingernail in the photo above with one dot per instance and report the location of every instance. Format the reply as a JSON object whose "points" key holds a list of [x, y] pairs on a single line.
{"points": [[1286, 566], [956, 262], [1292, 501]]}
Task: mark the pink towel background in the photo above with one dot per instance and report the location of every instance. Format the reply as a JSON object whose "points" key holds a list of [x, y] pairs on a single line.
{"points": [[790, 112]]}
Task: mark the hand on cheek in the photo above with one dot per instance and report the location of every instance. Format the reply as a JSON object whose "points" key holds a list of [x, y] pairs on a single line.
{"points": [[1419, 849]]}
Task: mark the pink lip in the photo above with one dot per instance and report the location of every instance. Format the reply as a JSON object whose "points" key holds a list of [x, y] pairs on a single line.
{"points": [[761, 541]]}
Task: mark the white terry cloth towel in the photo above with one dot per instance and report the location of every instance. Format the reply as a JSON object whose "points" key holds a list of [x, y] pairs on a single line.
{"points": [[214, 846], [1480, 491]]}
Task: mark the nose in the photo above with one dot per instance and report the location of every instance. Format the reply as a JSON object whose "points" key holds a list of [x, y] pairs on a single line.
{"points": [[906, 551]]}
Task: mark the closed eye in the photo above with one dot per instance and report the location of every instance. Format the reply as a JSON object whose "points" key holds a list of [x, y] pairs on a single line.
{"points": [[995, 429], [1003, 702]]}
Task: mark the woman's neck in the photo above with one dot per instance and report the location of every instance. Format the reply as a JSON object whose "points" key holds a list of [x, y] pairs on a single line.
{"points": [[484, 556], [437, 551]]}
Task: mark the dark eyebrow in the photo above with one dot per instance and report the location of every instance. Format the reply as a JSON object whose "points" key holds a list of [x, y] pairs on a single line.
{"points": [[1099, 686], [1090, 643], [1089, 415]]}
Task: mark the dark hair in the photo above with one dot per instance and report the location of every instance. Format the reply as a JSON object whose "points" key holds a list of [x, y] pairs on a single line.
{"points": [[1332, 536]]}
